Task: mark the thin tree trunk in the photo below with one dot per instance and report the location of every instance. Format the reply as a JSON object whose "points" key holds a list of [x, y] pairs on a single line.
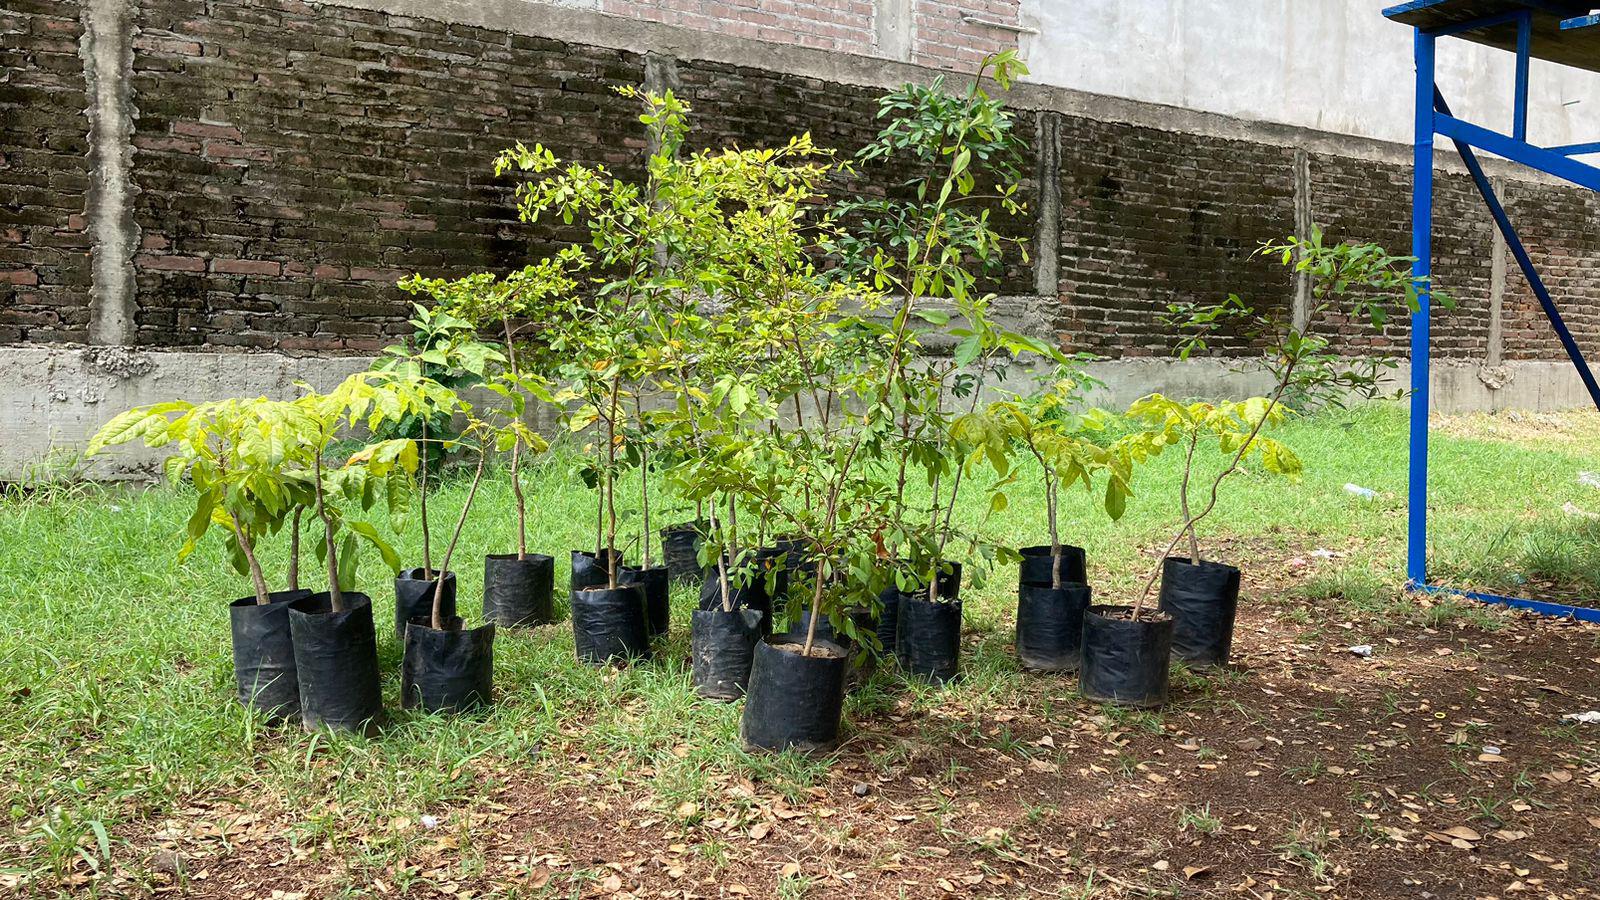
{"points": [[1051, 499], [438, 588], [644, 485], [1183, 498], [335, 596], [294, 552], [256, 576], [611, 486], [422, 494], [516, 453]]}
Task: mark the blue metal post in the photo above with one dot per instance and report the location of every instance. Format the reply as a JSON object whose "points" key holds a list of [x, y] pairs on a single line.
{"points": [[1519, 120], [1422, 271]]}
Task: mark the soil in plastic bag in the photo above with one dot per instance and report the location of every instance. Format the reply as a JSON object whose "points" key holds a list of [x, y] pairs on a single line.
{"points": [[1035, 566], [1050, 626], [589, 570], [413, 597], [721, 647], [928, 642], [263, 654], [336, 659], [1202, 601], [657, 584], [680, 547], [449, 670], [608, 625], [794, 701], [519, 592], [1125, 662]]}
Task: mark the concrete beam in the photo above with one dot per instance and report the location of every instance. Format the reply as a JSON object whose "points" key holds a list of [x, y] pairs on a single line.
{"points": [[107, 51]]}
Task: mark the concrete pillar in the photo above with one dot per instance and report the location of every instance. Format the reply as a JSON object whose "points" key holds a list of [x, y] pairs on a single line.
{"points": [[1047, 228], [894, 29], [1494, 354], [107, 52], [1300, 314]]}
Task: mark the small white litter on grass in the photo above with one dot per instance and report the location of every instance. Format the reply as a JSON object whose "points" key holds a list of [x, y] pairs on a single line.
{"points": [[1592, 717], [1356, 490], [1592, 479], [1362, 650]]}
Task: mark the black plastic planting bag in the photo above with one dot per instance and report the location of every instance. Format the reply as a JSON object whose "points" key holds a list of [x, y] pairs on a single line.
{"points": [[519, 592], [1125, 662], [1202, 601], [753, 597], [721, 647], [794, 701], [1050, 626], [413, 597], [608, 624], [680, 547], [1035, 566], [336, 658], [656, 582], [928, 644], [590, 571], [449, 670], [263, 654], [888, 619]]}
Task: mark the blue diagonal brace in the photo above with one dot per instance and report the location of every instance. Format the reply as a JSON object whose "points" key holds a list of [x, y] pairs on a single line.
{"points": [[1525, 262]]}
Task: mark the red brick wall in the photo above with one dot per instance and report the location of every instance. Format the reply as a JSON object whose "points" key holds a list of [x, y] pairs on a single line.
{"points": [[44, 174], [945, 41]]}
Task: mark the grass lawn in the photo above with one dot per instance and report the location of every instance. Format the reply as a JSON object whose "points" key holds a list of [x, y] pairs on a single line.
{"points": [[128, 769]]}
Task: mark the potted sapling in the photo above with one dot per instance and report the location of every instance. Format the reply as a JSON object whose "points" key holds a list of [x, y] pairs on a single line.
{"points": [[518, 588], [653, 240], [335, 645], [444, 347], [1199, 595], [238, 455], [448, 667], [1050, 428], [654, 581], [929, 243]]}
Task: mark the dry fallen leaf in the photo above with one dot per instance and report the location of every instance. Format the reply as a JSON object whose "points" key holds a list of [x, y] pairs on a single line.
{"points": [[760, 830]]}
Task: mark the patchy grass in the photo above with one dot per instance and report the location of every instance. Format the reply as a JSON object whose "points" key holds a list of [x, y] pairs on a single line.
{"points": [[119, 737]]}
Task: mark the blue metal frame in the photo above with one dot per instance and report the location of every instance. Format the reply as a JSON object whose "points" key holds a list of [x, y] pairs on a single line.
{"points": [[1433, 118]]}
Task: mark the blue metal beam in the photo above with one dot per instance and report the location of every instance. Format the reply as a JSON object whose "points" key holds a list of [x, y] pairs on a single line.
{"points": [[1524, 261], [1577, 149], [1563, 610], [1547, 161], [1574, 24], [1422, 273], [1519, 102]]}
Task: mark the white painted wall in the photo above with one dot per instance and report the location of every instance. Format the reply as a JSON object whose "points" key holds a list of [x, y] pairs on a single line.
{"points": [[1335, 65]]}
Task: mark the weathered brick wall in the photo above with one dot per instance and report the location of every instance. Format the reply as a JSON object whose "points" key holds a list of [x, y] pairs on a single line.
{"points": [[1561, 228], [844, 25], [292, 159], [44, 267], [1150, 218], [1368, 201]]}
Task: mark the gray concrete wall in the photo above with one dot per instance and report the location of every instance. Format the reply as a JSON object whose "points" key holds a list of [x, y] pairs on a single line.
{"points": [[1333, 65], [53, 399]]}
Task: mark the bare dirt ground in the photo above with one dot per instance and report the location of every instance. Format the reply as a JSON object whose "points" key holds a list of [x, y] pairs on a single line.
{"points": [[1440, 766]]}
